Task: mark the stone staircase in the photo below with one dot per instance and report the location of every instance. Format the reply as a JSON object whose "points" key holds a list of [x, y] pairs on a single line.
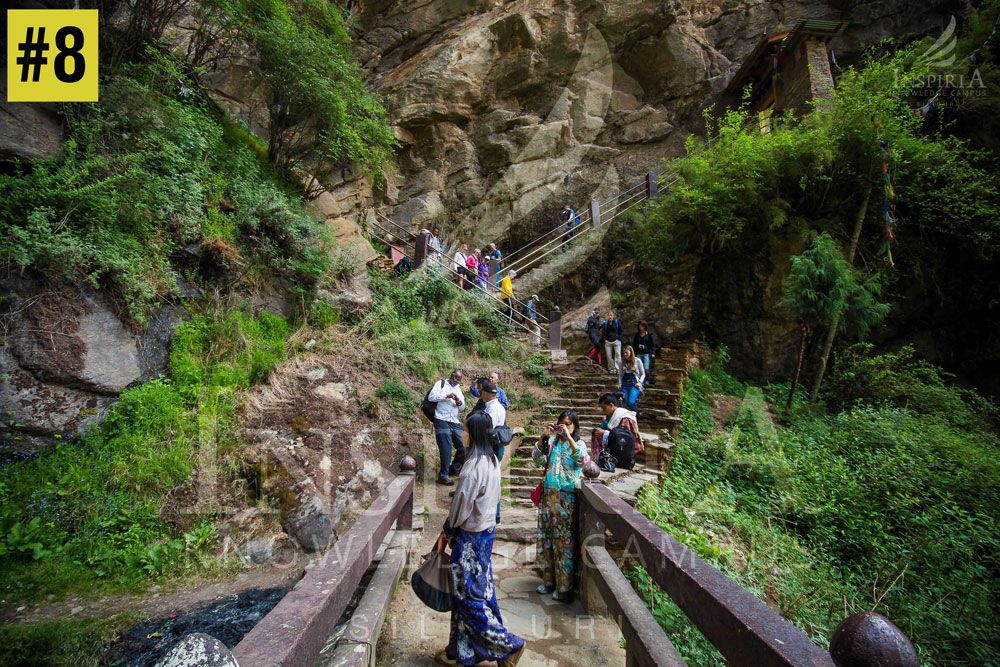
{"points": [[579, 385]]}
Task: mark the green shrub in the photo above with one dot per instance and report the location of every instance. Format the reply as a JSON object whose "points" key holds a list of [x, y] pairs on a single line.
{"points": [[148, 171], [835, 511], [322, 315], [400, 398], [903, 380], [90, 509]]}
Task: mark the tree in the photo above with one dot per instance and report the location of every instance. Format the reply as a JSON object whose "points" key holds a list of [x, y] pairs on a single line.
{"points": [[321, 114], [823, 291]]}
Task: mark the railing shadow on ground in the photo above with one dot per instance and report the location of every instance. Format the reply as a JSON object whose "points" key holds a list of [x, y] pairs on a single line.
{"points": [[744, 629]]}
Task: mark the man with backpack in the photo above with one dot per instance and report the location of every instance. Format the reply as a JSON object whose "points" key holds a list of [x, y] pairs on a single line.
{"points": [[572, 222], [502, 435], [616, 442], [448, 403]]}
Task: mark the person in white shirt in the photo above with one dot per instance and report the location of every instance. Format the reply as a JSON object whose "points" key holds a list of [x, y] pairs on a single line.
{"points": [[498, 415], [435, 249], [477, 630], [448, 424], [460, 259]]}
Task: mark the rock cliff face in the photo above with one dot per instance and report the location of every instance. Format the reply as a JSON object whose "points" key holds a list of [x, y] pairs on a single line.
{"points": [[508, 109], [505, 109]]}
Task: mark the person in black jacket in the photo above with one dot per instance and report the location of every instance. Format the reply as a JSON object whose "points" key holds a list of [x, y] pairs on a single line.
{"points": [[645, 348], [594, 334], [613, 334]]}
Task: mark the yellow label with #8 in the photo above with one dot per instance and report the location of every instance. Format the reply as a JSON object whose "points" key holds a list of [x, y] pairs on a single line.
{"points": [[52, 55]]}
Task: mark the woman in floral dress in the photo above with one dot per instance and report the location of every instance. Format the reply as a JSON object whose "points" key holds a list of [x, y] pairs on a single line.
{"points": [[564, 455], [477, 630]]}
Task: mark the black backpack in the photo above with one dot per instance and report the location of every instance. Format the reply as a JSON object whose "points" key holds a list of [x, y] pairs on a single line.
{"points": [[427, 406], [621, 444], [502, 436]]}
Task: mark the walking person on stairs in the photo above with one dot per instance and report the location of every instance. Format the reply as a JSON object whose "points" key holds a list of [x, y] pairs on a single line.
{"points": [[531, 319], [507, 294], [613, 333], [448, 425], [477, 630], [460, 258], [594, 334], [560, 451], [645, 349], [630, 378]]}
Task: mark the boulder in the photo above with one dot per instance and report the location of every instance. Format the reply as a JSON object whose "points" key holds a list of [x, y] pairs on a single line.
{"points": [[42, 409], [72, 337], [310, 525], [28, 131], [198, 650]]}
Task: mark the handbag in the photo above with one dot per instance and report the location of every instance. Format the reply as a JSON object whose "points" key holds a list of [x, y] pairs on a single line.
{"points": [[536, 495], [606, 461], [432, 581]]}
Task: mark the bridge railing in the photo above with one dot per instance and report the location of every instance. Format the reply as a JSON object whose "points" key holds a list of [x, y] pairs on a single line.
{"points": [[744, 629], [297, 629]]}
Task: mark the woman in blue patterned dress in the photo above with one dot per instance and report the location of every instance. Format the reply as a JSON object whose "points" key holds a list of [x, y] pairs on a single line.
{"points": [[564, 455], [477, 630]]}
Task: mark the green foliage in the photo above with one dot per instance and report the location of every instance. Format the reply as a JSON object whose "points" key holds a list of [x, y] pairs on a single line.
{"points": [[148, 171], [742, 182], [64, 643], [89, 511], [319, 103], [400, 398], [822, 288], [903, 380], [419, 324], [876, 506], [322, 315], [25, 539]]}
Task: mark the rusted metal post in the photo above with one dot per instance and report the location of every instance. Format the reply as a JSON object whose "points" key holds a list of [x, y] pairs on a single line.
{"points": [[408, 466], [555, 329], [591, 535], [652, 185], [420, 251], [869, 639], [595, 212]]}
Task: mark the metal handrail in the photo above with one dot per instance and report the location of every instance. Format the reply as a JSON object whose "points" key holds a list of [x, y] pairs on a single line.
{"points": [[525, 263], [443, 263], [516, 265]]}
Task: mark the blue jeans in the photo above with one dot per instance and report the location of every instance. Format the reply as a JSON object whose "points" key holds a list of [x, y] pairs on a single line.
{"points": [[499, 460], [647, 363], [632, 392], [447, 435]]}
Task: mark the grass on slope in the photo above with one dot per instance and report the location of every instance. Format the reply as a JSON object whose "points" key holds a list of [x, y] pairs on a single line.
{"points": [[876, 506]]}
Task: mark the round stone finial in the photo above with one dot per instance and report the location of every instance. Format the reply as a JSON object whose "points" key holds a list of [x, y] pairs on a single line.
{"points": [[591, 471], [408, 464], [869, 639]]}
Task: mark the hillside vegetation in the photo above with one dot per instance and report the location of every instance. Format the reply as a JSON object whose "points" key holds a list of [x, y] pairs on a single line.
{"points": [[884, 498]]}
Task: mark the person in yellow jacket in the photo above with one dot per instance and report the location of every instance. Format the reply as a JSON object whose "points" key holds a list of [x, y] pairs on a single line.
{"points": [[507, 294]]}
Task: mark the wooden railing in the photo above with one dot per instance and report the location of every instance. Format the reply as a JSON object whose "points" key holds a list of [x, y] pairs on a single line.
{"points": [[738, 624], [301, 624]]}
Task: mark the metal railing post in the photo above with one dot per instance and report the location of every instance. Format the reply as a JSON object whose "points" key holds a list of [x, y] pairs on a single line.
{"points": [[420, 251], [652, 185], [555, 329], [408, 466], [595, 213]]}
